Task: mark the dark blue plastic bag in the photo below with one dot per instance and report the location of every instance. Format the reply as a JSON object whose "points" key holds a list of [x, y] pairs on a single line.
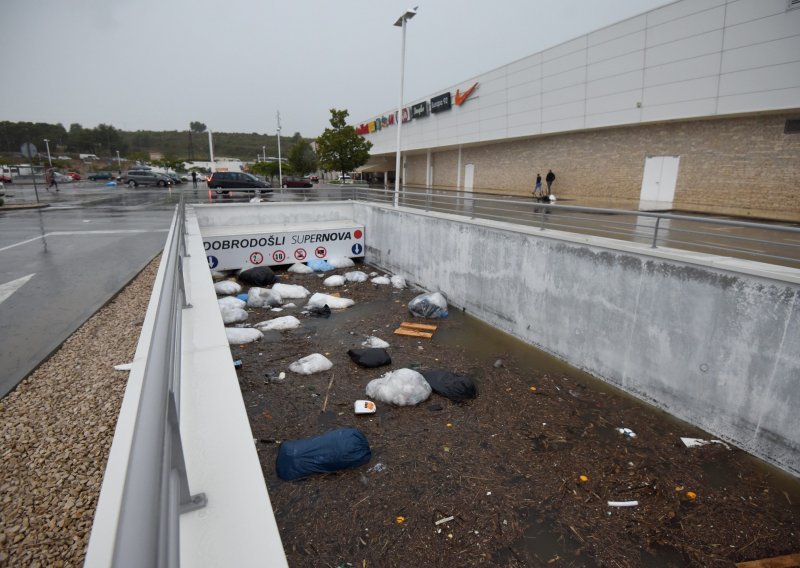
{"points": [[332, 451]]}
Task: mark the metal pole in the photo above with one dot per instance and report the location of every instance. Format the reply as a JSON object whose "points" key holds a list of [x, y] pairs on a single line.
{"points": [[211, 150], [280, 167], [655, 232], [47, 144], [400, 116], [119, 164]]}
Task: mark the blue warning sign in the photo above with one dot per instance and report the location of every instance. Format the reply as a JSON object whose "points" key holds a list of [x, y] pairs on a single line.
{"points": [[357, 248], [212, 261]]}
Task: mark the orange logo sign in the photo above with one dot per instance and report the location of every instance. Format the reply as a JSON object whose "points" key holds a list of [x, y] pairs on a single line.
{"points": [[460, 98]]}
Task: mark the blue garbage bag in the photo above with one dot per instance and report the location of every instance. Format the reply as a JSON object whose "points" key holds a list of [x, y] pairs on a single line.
{"points": [[320, 265], [339, 449], [242, 296], [111, 184]]}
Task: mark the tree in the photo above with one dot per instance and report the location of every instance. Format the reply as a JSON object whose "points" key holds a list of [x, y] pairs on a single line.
{"points": [[339, 147], [302, 158], [266, 169], [197, 127]]}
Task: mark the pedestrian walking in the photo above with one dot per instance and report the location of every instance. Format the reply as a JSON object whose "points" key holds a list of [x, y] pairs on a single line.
{"points": [[537, 191], [194, 180], [51, 179], [550, 178]]}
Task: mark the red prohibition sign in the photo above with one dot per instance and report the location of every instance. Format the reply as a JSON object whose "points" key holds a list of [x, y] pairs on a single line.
{"points": [[278, 256], [256, 258], [300, 254], [320, 252]]}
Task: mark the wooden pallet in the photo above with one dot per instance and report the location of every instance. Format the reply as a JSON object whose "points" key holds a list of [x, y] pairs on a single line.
{"points": [[789, 561], [416, 330]]}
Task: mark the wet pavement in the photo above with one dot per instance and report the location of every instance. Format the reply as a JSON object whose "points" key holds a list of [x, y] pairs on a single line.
{"points": [[62, 263]]}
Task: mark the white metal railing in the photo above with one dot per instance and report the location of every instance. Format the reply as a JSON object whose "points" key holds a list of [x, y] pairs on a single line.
{"points": [[156, 487], [765, 242]]}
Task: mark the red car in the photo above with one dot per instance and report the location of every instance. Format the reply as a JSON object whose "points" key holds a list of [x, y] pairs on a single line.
{"points": [[74, 175], [4, 178], [292, 181]]}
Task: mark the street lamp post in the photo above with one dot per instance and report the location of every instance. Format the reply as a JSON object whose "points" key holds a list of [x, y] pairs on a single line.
{"points": [[401, 23], [264, 153], [47, 144], [280, 170], [119, 164]]}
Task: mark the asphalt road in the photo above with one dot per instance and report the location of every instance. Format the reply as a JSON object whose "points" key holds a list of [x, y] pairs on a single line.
{"points": [[60, 264]]}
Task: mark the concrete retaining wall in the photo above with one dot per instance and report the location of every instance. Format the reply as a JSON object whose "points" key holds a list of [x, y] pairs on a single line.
{"points": [[711, 340], [715, 347]]}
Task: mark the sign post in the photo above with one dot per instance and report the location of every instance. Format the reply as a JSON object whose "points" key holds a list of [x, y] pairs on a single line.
{"points": [[29, 151]]}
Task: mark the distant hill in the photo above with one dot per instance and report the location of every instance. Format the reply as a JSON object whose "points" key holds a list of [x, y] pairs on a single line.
{"points": [[105, 140]]}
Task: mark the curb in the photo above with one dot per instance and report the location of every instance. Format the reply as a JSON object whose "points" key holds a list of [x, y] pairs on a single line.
{"points": [[15, 207]]}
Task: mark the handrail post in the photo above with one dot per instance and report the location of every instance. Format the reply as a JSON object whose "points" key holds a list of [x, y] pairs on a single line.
{"points": [[655, 232]]}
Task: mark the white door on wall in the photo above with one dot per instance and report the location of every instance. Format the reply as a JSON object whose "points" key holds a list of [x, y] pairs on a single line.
{"points": [[469, 176], [658, 182]]}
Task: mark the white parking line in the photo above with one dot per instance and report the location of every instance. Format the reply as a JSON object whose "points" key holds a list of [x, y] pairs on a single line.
{"points": [[67, 233]]}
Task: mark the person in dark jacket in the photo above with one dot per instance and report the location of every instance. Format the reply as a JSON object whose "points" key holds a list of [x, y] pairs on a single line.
{"points": [[550, 178]]}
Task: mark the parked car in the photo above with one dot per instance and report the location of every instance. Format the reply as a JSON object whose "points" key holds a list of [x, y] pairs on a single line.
{"points": [[313, 178], [345, 177], [5, 178], [99, 176], [74, 175], [292, 181], [61, 178], [240, 181], [176, 179], [135, 178]]}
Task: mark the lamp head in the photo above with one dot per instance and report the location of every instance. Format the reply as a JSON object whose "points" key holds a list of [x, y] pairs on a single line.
{"points": [[410, 13]]}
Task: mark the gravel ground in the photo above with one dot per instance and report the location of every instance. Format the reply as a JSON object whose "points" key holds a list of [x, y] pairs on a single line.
{"points": [[57, 429]]}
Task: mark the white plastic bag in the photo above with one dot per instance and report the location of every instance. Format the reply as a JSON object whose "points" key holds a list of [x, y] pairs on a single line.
{"points": [[300, 268], [233, 315], [229, 302], [290, 291], [375, 342], [404, 387], [332, 281], [381, 280], [279, 324], [227, 287], [341, 262], [314, 363], [263, 298], [398, 282], [356, 276], [433, 305], [318, 300], [239, 335]]}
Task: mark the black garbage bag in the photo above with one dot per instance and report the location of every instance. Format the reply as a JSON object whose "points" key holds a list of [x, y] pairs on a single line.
{"points": [[455, 387], [258, 276], [339, 449], [323, 312], [370, 357]]}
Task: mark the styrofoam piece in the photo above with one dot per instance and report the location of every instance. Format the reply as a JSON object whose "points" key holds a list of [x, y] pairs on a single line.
{"points": [[233, 315], [373, 341], [124, 367], [310, 364], [341, 262], [228, 302], [318, 300], [279, 324], [364, 407], [300, 268], [356, 276], [697, 442], [332, 281], [290, 291], [227, 287], [382, 280], [239, 335], [398, 282], [263, 298], [623, 503]]}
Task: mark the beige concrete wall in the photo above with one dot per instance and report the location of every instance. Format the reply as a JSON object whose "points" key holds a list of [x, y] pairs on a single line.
{"points": [[743, 166]]}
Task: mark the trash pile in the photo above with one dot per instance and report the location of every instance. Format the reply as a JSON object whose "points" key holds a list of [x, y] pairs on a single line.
{"points": [[386, 438]]}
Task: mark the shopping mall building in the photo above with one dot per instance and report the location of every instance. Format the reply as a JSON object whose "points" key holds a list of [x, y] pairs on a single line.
{"points": [[694, 106]]}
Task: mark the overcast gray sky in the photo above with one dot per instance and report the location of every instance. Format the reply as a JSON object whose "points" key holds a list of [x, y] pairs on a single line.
{"points": [[159, 64]]}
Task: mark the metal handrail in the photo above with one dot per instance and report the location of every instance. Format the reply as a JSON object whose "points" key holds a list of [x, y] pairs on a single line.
{"points": [[566, 217], [156, 489]]}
